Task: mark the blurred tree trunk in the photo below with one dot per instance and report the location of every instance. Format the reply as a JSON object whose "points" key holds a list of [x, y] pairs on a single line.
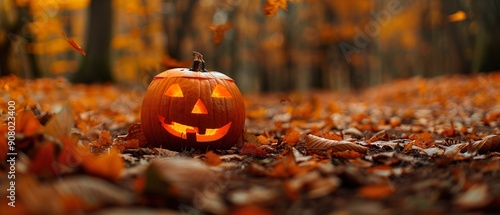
{"points": [[177, 28], [12, 43], [487, 44], [96, 65]]}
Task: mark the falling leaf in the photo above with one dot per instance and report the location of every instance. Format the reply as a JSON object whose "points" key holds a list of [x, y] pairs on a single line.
{"points": [[318, 143], [212, 159], [272, 6], [75, 45], [219, 32], [457, 16]]}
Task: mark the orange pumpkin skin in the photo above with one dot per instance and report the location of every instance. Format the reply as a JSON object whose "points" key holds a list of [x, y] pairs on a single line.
{"points": [[185, 109]]}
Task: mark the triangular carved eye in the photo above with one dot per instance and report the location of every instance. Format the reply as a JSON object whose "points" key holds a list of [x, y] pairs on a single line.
{"points": [[221, 92], [174, 90]]}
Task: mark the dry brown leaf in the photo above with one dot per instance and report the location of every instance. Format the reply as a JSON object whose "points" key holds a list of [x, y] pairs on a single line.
{"points": [[252, 149], [180, 178], [332, 136], [423, 140], [474, 198], [349, 154], [489, 143], [318, 143], [381, 135]]}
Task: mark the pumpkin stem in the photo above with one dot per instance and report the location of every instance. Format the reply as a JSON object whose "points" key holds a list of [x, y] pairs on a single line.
{"points": [[198, 63]]}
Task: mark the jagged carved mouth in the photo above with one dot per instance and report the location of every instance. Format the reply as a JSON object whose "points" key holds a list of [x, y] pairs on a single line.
{"points": [[186, 131]]}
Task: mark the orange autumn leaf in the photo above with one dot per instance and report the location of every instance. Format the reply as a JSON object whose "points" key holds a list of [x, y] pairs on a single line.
{"points": [[75, 45], [27, 123], [349, 154], [375, 192], [272, 6], [108, 165], [423, 140], [408, 146], [252, 149], [263, 140], [212, 159], [251, 210], [104, 139], [44, 160], [292, 137], [219, 32], [332, 136]]}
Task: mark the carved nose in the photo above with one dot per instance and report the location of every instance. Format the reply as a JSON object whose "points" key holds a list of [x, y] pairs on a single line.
{"points": [[199, 108]]}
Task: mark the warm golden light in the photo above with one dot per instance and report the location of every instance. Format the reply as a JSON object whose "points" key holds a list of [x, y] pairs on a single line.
{"points": [[174, 90], [182, 131], [221, 92], [199, 108]]}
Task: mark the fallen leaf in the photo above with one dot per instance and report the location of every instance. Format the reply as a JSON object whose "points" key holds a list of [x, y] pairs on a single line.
{"points": [[108, 165], [60, 125], [381, 135], [27, 123], [212, 159], [292, 137], [252, 149], [318, 143], [179, 178], [475, 197], [348, 154], [489, 143], [375, 192]]}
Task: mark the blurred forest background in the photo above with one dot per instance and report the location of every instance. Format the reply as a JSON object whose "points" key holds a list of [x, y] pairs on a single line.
{"points": [[267, 45]]}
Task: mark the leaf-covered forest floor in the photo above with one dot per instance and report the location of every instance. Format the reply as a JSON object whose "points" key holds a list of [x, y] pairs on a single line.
{"points": [[407, 147]]}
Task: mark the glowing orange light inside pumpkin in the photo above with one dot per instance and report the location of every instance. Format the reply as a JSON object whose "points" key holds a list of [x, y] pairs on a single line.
{"points": [[184, 131], [174, 90], [221, 92], [199, 108]]}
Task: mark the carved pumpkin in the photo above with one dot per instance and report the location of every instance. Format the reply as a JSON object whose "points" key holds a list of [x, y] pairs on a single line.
{"points": [[192, 108]]}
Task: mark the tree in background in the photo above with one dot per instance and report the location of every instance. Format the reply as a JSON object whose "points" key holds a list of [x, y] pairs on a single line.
{"points": [[96, 65]]}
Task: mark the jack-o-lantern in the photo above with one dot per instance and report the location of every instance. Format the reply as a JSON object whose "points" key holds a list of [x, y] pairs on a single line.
{"points": [[192, 108]]}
